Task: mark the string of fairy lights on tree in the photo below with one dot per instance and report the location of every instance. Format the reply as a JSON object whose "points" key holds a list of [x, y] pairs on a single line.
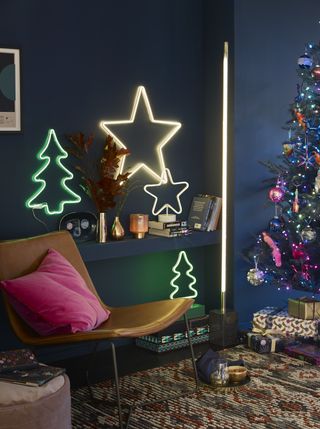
{"points": [[287, 253]]}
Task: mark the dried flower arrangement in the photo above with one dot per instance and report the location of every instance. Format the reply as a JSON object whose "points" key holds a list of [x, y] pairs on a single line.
{"points": [[101, 181]]}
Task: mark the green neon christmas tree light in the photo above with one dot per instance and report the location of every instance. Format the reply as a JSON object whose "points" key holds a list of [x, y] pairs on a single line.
{"points": [[192, 280], [38, 200]]}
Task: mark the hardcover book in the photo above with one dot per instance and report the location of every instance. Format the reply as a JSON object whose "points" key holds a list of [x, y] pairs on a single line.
{"points": [[199, 212], [175, 232], [37, 376], [214, 214], [167, 225]]}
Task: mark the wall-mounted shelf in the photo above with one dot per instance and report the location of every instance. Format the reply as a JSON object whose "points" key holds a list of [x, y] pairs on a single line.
{"points": [[92, 251]]}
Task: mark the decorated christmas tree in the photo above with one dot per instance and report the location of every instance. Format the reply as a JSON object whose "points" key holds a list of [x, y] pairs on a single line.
{"points": [[287, 252]]}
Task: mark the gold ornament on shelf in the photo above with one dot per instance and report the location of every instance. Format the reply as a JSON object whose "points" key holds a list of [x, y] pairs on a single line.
{"points": [[102, 229], [117, 231]]}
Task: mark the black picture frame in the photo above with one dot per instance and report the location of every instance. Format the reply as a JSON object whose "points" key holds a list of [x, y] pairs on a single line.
{"points": [[10, 90]]}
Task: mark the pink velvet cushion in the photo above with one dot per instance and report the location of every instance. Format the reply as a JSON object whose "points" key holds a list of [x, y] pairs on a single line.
{"points": [[54, 299]]}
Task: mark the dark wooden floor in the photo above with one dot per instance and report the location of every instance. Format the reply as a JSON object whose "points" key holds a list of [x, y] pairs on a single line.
{"points": [[130, 359]]}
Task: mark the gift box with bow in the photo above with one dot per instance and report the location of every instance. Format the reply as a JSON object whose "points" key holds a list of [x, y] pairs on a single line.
{"points": [[279, 321], [304, 308], [265, 342]]}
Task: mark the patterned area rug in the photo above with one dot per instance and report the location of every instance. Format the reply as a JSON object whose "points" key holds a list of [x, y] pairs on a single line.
{"points": [[283, 393]]}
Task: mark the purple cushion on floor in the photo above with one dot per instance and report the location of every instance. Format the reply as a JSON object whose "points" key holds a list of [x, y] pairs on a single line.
{"points": [[55, 299]]}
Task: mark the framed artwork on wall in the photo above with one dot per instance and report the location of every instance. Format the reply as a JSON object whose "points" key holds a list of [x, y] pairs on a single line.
{"points": [[10, 108]]}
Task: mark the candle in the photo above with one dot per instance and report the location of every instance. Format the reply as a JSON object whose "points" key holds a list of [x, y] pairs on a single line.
{"points": [[139, 224]]}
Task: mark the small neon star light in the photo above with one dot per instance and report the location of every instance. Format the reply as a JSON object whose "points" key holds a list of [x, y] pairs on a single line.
{"points": [[193, 280], [165, 177], [38, 199], [141, 97]]}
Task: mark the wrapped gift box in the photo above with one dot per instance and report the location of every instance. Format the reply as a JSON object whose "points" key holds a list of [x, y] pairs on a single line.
{"points": [[307, 352], [265, 343], [304, 308], [270, 318]]}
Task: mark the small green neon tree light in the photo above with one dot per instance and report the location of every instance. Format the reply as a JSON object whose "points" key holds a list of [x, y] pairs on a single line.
{"points": [[36, 201], [192, 281]]}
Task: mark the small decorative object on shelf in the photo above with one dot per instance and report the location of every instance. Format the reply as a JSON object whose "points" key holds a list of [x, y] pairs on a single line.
{"points": [[81, 225], [117, 231], [166, 181], [101, 180], [139, 224], [102, 230]]}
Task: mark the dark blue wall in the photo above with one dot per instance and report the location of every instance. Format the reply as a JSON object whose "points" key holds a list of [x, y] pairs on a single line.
{"points": [[81, 62], [269, 38]]}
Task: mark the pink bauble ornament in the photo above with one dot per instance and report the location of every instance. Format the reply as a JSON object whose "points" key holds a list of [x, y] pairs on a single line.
{"points": [[276, 194], [299, 252]]}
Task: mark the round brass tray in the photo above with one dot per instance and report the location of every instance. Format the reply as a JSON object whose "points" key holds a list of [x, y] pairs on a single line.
{"points": [[229, 386]]}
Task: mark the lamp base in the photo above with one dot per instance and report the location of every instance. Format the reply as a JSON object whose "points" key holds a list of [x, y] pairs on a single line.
{"points": [[223, 328], [167, 218]]}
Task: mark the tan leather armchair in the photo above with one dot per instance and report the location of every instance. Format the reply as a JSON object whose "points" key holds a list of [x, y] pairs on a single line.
{"points": [[22, 256]]}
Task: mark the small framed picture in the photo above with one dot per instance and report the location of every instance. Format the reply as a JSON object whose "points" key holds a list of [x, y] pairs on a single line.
{"points": [[10, 108]]}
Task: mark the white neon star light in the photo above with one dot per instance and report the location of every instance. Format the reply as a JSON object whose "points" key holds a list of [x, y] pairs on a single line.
{"points": [[165, 176], [105, 125]]}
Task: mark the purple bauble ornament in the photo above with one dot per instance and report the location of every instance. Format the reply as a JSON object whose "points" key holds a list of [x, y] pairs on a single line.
{"points": [[276, 224], [276, 194], [304, 62]]}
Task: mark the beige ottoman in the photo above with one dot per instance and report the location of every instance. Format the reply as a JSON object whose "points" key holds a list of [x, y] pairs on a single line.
{"points": [[44, 407]]}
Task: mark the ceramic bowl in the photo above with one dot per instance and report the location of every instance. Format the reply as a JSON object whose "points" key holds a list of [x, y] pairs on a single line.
{"points": [[237, 373]]}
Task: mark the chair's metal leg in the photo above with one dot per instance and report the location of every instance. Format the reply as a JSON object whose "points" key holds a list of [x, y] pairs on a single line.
{"points": [[191, 350], [89, 365], [115, 368]]}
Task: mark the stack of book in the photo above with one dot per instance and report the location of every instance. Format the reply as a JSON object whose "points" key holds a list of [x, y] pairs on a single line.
{"points": [[204, 212], [175, 336], [177, 228]]}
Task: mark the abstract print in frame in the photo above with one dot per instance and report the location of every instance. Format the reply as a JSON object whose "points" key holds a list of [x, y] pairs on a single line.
{"points": [[10, 111]]}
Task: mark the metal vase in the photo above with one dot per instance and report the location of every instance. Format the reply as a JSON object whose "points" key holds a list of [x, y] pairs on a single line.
{"points": [[117, 231], [102, 232]]}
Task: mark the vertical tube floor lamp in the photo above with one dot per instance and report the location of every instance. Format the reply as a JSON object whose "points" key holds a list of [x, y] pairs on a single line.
{"points": [[223, 322]]}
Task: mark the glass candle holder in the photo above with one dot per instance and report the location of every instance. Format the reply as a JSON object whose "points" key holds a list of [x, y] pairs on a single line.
{"points": [[139, 224], [220, 374]]}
